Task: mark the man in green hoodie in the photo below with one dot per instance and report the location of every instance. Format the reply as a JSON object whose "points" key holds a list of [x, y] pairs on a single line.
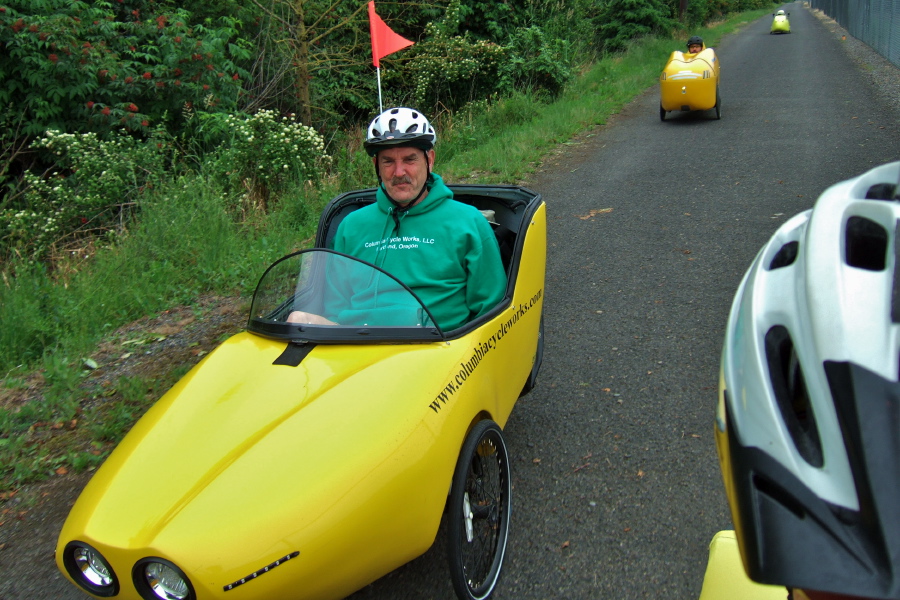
{"points": [[444, 250]]}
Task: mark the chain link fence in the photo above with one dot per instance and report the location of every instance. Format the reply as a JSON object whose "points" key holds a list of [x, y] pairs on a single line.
{"points": [[875, 22]]}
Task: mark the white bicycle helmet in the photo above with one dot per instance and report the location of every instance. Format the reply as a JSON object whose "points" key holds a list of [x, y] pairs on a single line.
{"points": [[780, 13], [808, 422], [399, 127]]}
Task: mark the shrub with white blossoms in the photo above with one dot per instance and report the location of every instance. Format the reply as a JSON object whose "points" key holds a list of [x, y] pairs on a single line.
{"points": [[451, 70], [268, 154], [92, 184]]}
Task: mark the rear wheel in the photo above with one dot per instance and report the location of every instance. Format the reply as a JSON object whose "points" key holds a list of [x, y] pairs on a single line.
{"points": [[479, 510], [718, 104]]}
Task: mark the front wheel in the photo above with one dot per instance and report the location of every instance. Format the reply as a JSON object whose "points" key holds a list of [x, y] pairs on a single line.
{"points": [[479, 509], [718, 104], [662, 113]]}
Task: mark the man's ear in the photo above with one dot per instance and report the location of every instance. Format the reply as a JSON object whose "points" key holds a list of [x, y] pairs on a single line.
{"points": [[429, 155]]}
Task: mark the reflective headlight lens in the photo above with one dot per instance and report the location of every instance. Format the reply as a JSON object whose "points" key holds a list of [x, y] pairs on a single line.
{"points": [[92, 567], [90, 570], [165, 582], [158, 579]]}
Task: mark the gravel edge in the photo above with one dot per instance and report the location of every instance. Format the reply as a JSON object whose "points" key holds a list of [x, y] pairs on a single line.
{"points": [[882, 73]]}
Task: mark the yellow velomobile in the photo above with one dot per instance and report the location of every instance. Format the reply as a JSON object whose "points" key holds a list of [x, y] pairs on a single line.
{"points": [[303, 461], [780, 22], [690, 82]]}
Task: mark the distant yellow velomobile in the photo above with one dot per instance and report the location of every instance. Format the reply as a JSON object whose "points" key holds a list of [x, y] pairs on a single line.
{"points": [[690, 82], [780, 22]]}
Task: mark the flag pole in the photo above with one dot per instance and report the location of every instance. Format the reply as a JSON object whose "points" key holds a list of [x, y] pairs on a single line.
{"points": [[384, 42], [378, 72]]}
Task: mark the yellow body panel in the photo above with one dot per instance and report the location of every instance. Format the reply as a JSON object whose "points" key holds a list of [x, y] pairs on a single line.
{"points": [[689, 81], [725, 578], [346, 458]]}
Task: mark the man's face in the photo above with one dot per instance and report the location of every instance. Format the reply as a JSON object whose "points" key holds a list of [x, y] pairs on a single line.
{"points": [[404, 171], [694, 48]]}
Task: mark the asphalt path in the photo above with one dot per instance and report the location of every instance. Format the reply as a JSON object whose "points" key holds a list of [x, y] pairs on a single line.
{"points": [[651, 225]]}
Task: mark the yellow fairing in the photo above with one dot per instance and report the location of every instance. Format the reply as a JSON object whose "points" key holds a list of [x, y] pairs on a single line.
{"points": [[725, 578], [689, 81], [345, 459]]}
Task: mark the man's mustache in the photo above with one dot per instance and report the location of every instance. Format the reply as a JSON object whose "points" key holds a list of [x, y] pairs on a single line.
{"points": [[399, 180]]}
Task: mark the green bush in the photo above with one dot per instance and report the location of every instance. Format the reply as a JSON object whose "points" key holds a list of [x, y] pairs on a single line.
{"points": [[451, 70], [100, 66], [96, 184], [621, 21], [535, 62]]}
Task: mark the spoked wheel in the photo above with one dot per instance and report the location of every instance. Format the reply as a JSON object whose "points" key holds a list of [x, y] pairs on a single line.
{"points": [[479, 509]]}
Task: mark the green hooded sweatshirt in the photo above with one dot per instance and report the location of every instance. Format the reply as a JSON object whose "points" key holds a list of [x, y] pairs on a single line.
{"points": [[444, 250]]}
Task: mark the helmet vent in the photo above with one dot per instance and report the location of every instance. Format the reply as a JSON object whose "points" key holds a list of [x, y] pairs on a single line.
{"points": [[779, 494], [791, 396], [865, 244], [785, 256], [882, 191]]}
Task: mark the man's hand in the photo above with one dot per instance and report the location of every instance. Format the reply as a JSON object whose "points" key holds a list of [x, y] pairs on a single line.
{"points": [[298, 316]]}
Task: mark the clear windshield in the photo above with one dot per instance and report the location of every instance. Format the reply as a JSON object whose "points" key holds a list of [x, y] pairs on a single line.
{"points": [[321, 295]]}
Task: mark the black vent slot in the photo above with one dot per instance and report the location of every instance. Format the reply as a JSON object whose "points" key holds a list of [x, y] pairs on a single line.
{"points": [[791, 395], [866, 244], [786, 256], [779, 495], [882, 191]]}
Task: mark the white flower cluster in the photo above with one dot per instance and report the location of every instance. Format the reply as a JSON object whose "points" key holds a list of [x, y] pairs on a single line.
{"points": [[449, 61], [92, 180], [273, 149]]}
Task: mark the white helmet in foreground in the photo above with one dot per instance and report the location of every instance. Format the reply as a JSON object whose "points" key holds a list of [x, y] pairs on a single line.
{"points": [[808, 424]]}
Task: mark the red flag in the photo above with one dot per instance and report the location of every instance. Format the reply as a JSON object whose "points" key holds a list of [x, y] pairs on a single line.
{"points": [[384, 40]]}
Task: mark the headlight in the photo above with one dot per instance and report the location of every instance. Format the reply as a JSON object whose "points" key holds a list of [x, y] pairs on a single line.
{"points": [[87, 567], [159, 579]]}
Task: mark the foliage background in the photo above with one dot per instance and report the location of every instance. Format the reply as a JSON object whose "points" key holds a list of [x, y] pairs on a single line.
{"points": [[107, 105]]}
